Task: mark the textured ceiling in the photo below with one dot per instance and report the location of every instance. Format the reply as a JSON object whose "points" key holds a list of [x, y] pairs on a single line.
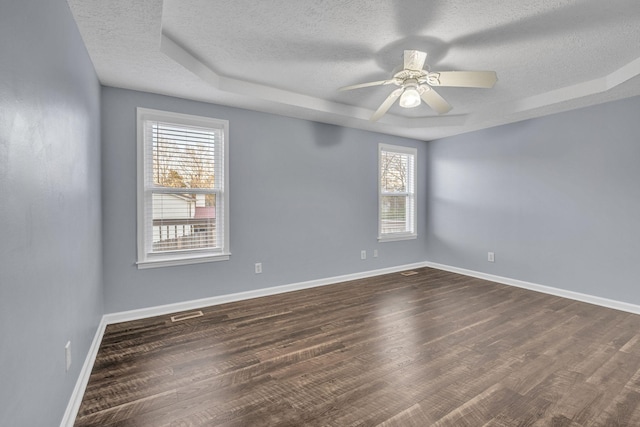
{"points": [[290, 57]]}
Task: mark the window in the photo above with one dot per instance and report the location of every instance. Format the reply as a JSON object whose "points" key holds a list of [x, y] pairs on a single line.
{"points": [[183, 197], [397, 193]]}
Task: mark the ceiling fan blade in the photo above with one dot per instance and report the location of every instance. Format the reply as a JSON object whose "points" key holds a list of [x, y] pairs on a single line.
{"points": [[414, 60], [481, 79], [434, 100], [358, 86], [384, 107]]}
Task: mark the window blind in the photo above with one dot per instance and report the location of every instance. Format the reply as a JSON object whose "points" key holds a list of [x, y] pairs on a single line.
{"points": [[183, 183]]}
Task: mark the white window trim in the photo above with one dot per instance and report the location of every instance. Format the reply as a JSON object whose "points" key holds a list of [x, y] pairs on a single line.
{"points": [[151, 260], [394, 237]]}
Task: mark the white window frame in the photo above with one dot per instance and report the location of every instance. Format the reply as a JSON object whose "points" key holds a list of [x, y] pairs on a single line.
{"points": [[147, 258], [411, 194]]}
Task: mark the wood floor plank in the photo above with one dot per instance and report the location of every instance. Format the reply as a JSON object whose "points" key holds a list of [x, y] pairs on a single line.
{"points": [[432, 349], [413, 416]]}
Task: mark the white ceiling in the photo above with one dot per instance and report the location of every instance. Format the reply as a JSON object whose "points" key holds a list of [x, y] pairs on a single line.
{"points": [[289, 57]]}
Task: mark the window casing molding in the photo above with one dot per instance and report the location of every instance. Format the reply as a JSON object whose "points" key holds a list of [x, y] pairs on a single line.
{"points": [[150, 194], [397, 193]]}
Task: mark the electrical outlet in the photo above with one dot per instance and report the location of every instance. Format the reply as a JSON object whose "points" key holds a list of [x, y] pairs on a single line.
{"points": [[375, 253], [67, 355], [491, 257], [258, 267], [363, 254]]}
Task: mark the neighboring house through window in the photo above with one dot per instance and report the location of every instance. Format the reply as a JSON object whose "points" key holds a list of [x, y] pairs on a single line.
{"points": [[183, 192], [397, 193]]}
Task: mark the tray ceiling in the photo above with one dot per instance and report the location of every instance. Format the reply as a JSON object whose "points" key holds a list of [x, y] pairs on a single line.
{"points": [[290, 58]]}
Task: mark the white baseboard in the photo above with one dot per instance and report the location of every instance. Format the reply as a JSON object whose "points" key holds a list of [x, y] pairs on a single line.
{"points": [[591, 299], [73, 406], [125, 316]]}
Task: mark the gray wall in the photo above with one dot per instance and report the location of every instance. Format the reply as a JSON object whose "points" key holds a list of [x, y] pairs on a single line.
{"points": [[557, 199], [50, 244], [303, 202]]}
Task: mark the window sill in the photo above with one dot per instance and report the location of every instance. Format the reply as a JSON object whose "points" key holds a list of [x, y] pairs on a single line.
{"points": [[174, 261], [396, 237]]}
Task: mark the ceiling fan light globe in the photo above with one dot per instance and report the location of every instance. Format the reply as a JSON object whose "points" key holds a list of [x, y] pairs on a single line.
{"points": [[410, 98]]}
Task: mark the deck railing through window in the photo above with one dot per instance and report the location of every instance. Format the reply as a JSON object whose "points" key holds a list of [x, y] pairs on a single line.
{"points": [[183, 234]]}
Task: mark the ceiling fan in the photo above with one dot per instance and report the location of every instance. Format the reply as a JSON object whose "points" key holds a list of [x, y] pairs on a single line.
{"points": [[416, 84]]}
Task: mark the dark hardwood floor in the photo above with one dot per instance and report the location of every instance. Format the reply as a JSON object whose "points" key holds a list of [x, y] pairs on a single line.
{"points": [[433, 349]]}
